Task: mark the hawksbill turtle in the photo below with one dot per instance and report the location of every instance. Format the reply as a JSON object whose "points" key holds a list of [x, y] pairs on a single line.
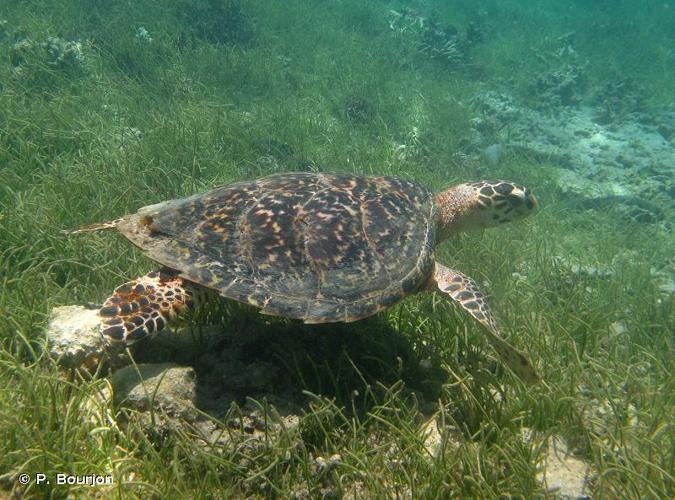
{"points": [[313, 246]]}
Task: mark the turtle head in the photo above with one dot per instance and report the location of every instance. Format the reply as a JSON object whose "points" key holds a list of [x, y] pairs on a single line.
{"points": [[479, 205]]}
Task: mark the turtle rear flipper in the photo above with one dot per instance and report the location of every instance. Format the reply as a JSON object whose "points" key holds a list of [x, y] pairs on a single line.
{"points": [[463, 290], [144, 306], [88, 228]]}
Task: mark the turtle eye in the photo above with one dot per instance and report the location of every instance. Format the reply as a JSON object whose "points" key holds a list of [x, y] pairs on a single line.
{"points": [[516, 200]]}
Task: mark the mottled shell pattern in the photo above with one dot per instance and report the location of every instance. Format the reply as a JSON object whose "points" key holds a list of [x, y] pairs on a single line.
{"points": [[318, 247]]}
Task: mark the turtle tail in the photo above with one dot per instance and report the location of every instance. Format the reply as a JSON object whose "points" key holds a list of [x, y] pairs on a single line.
{"points": [[87, 228]]}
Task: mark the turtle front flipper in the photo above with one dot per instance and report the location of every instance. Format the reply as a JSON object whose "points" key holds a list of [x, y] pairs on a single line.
{"points": [[144, 306], [463, 290]]}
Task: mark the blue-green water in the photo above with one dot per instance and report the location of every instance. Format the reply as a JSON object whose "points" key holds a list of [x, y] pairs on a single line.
{"points": [[109, 106]]}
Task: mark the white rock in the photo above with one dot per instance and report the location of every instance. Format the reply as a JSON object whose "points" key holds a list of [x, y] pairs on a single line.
{"points": [[73, 337]]}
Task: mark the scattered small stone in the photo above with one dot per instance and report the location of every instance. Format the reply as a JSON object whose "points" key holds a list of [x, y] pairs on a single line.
{"points": [[601, 416], [300, 493], [618, 328], [493, 154], [143, 35], [125, 137], [563, 474], [665, 282], [326, 465], [55, 52], [285, 61], [20, 50], [64, 54], [583, 270], [433, 439]]}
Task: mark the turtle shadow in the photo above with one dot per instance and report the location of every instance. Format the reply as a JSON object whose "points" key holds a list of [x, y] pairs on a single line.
{"points": [[286, 363]]}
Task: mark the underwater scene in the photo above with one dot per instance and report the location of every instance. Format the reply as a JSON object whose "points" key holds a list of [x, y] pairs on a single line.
{"points": [[337, 249]]}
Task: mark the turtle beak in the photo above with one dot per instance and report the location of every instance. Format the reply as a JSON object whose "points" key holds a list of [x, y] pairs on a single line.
{"points": [[524, 204], [531, 202], [529, 199]]}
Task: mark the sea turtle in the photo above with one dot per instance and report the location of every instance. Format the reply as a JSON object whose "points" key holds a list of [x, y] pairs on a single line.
{"points": [[313, 246]]}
